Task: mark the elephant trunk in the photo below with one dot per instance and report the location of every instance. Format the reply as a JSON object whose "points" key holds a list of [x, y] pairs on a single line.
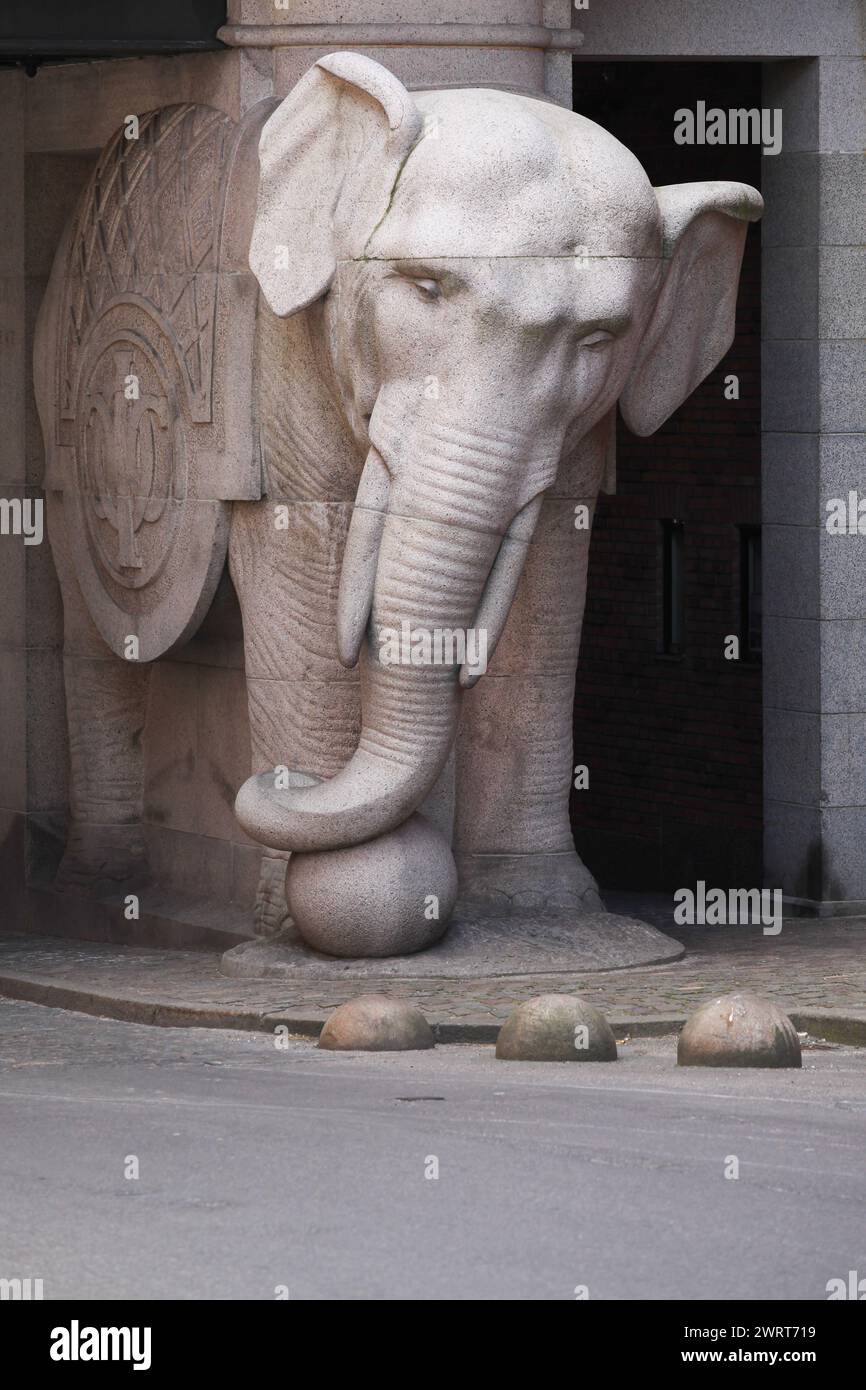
{"points": [[430, 557], [409, 722]]}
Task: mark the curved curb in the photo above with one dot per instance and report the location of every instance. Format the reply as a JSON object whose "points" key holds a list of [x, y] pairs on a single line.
{"points": [[832, 1025]]}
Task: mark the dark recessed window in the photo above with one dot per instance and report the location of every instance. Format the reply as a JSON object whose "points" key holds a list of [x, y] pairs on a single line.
{"points": [[673, 607], [750, 590]]}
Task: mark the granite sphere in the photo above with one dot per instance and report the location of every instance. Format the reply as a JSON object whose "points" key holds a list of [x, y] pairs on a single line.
{"points": [[386, 897], [376, 1023], [739, 1030], [556, 1028]]}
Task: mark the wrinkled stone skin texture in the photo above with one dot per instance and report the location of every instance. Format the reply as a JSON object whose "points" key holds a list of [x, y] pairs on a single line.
{"points": [[452, 290]]}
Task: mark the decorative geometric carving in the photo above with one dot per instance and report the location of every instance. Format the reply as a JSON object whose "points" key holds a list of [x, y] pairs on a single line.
{"points": [[130, 457], [148, 337], [147, 545], [149, 225]]}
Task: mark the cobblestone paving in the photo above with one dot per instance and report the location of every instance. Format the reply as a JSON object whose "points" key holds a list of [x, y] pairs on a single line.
{"points": [[808, 965]]}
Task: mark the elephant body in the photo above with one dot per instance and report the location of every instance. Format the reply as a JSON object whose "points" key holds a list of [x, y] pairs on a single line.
{"points": [[405, 424]]}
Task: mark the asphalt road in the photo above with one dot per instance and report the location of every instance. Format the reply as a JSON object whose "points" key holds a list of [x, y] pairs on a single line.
{"points": [[262, 1169]]}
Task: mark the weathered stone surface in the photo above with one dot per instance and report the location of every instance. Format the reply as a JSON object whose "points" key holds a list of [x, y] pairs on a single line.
{"points": [[376, 1023], [739, 1030], [556, 1028], [390, 896], [144, 394], [555, 885], [410, 426], [407, 525], [473, 947]]}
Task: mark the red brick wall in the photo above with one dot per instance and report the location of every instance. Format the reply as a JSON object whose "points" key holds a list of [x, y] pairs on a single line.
{"points": [[673, 744]]}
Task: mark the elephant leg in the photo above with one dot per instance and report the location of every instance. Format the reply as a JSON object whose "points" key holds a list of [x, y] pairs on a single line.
{"points": [[304, 706], [106, 701], [515, 755]]}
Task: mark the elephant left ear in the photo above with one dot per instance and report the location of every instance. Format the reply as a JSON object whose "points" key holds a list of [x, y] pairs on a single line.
{"points": [[704, 231]]}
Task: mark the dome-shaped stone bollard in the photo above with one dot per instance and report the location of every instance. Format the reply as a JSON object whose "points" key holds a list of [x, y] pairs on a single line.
{"points": [[386, 897], [376, 1023], [739, 1030], [556, 1028]]}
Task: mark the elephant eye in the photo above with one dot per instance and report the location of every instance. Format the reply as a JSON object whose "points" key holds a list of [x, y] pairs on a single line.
{"points": [[428, 289], [597, 339], [424, 279]]}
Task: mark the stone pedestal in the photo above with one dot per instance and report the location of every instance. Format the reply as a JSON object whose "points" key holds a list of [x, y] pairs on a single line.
{"points": [[474, 947]]}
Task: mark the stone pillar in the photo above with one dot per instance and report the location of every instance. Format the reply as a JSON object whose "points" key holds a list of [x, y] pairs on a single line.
{"points": [[13, 556], [814, 422], [525, 44]]}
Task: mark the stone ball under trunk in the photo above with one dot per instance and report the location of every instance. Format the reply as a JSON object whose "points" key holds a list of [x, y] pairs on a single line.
{"points": [[390, 896]]}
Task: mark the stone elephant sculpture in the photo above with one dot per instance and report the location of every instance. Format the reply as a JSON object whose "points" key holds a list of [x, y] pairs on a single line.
{"points": [[456, 288]]}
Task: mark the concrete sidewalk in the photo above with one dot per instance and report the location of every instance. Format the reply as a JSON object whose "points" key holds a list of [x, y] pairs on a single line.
{"points": [[816, 970]]}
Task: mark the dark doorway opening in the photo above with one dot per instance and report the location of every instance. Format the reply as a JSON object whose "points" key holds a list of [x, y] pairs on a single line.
{"points": [[669, 726]]}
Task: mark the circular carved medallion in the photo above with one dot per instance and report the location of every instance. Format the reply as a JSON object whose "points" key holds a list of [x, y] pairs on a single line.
{"points": [[131, 459], [149, 539]]}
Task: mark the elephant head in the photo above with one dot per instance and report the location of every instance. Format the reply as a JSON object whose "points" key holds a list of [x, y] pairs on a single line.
{"points": [[494, 273]]}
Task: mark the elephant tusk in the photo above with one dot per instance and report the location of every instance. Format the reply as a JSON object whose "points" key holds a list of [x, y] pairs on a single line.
{"points": [[501, 586], [360, 558]]}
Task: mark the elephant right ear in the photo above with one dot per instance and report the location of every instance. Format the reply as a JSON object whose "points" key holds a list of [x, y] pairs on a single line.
{"points": [[692, 326], [329, 157]]}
